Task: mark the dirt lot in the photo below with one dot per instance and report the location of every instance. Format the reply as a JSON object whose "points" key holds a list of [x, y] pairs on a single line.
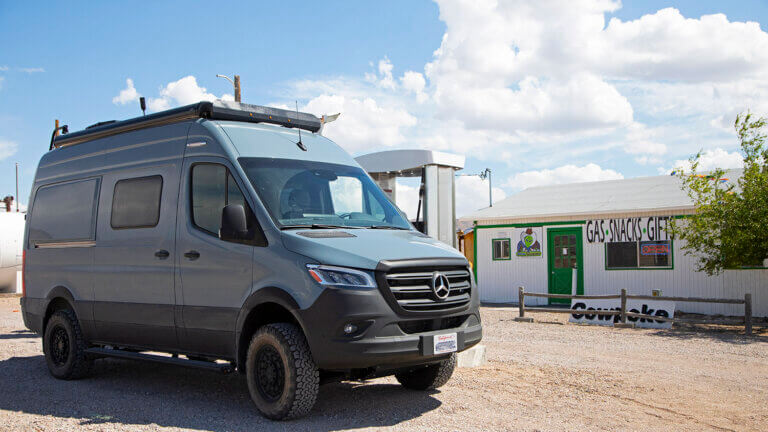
{"points": [[542, 376]]}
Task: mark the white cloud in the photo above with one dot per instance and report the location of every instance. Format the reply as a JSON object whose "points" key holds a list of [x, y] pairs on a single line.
{"points": [[414, 82], [182, 92], [3, 68], [384, 78], [472, 194], [126, 95], [364, 123], [7, 148], [560, 175], [554, 83], [1, 82], [710, 160], [31, 70], [667, 46]]}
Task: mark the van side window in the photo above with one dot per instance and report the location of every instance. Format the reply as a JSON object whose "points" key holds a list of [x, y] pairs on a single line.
{"points": [[136, 202], [213, 187], [64, 212]]}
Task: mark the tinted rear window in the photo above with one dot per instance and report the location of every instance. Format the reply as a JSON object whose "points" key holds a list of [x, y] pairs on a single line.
{"points": [[64, 212], [136, 202]]}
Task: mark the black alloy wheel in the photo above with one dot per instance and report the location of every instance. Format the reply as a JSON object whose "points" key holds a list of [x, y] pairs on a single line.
{"points": [[270, 373], [59, 346]]}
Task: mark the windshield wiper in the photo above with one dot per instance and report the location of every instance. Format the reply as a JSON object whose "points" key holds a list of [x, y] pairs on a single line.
{"points": [[389, 227]]}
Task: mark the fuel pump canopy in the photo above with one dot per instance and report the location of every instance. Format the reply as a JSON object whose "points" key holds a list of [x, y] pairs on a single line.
{"points": [[437, 194]]}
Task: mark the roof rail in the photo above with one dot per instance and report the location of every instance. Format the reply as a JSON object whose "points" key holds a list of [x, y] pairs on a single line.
{"points": [[218, 110]]}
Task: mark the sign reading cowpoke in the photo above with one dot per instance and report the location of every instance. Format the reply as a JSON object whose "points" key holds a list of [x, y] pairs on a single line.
{"points": [[661, 308], [529, 245]]}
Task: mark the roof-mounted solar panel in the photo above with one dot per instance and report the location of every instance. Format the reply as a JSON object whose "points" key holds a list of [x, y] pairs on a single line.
{"points": [[218, 110]]}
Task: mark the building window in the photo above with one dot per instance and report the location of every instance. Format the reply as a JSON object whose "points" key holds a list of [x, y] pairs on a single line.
{"points": [[136, 203], [501, 249], [638, 255]]}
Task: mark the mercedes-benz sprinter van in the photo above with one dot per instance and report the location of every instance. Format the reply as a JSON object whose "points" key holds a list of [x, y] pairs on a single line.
{"points": [[236, 236]]}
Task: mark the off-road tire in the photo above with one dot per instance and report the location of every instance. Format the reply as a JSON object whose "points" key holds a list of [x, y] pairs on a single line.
{"points": [[63, 326], [301, 379], [430, 377]]}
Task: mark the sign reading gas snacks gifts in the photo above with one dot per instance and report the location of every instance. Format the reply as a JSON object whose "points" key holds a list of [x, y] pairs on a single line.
{"points": [[528, 244], [652, 228]]}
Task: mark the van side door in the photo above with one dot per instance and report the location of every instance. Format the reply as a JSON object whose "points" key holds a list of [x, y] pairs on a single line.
{"points": [[134, 260], [216, 275]]}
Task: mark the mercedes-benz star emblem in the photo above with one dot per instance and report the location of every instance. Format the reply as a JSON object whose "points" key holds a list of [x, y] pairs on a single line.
{"points": [[441, 288]]}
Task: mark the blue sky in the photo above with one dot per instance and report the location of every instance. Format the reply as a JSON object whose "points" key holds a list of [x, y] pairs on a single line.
{"points": [[550, 93]]}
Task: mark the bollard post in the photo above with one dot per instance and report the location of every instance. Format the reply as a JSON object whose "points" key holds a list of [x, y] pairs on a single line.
{"points": [[521, 300], [624, 305], [623, 323], [748, 314]]}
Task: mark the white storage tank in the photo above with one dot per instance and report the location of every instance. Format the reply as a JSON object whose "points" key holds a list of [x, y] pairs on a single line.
{"points": [[11, 239]]}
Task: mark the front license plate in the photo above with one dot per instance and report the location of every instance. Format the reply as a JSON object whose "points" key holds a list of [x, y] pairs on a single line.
{"points": [[445, 343]]}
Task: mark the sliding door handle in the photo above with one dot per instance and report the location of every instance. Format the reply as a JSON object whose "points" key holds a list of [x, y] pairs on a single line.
{"points": [[162, 254], [193, 255]]}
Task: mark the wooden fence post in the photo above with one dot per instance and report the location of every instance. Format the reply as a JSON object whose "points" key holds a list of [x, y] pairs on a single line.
{"points": [[748, 314], [623, 305], [521, 308]]}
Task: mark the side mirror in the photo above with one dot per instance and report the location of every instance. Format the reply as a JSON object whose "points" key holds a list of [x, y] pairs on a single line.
{"points": [[233, 224]]}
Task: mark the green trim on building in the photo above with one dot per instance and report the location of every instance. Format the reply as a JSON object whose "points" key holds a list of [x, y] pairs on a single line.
{"points": [[531, 225]]}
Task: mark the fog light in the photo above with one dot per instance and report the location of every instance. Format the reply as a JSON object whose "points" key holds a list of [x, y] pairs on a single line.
{"points": [[350, 328]]}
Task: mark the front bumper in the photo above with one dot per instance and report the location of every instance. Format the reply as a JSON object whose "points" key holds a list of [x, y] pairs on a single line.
{"points": [[381, 342]]}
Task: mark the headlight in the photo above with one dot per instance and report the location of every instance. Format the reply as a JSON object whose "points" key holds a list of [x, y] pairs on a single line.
{"points": [[340, 276]]}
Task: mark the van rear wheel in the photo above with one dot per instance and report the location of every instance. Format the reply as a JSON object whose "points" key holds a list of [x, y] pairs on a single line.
{"points": [[64, 347], [283, 379], [429, 377]]}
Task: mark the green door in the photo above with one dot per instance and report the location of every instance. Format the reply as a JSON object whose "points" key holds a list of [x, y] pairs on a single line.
{"points": [[564, 254]]}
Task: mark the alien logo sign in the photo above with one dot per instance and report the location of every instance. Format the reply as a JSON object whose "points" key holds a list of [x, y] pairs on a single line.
{"points": [[528, 245]]}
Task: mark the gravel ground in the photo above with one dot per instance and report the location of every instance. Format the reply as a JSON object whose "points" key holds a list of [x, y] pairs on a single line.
{"points": [[542, 376]]}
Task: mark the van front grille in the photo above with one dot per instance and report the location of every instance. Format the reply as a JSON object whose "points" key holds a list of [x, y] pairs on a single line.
{"points": [[413, 289]]}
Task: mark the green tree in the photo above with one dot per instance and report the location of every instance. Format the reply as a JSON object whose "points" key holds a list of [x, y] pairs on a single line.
{"points": [[730, 226]]}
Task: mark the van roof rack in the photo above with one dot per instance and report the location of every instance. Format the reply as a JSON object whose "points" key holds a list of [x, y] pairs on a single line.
{"points": [[217, 110]]}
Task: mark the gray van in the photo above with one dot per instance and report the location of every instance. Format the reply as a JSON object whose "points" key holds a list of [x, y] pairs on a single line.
{"points": [[236, 237]]}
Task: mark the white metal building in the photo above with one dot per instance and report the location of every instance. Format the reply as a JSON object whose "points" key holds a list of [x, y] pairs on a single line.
{"points": [[613, 233]]}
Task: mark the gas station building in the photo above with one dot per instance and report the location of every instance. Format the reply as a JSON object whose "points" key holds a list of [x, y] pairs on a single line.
{"points": [[612, 234]]}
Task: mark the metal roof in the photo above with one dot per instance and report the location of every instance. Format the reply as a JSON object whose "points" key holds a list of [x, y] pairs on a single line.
{"points": [[568, 201], [407, 163]]}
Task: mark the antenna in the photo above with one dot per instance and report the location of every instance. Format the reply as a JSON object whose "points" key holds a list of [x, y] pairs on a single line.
{"points": [[300, 144], [143, 105]]}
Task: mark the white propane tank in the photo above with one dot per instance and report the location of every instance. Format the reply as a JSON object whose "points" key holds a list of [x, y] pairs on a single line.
{"points": [[11, 239]]}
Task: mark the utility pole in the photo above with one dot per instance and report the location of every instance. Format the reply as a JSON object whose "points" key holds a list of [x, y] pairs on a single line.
{"points": [[483, 175], [237, 88], [17, 187], [235, 84]]}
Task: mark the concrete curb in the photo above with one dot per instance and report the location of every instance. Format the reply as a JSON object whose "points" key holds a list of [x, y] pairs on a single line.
{"points": [[472, 357]]}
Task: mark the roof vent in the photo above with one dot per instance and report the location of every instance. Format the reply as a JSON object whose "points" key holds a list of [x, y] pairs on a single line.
{"points": [[95, 125]]}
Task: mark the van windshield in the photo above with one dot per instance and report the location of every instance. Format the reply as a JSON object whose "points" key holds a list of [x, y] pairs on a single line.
{"points": [[299, 193]]}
